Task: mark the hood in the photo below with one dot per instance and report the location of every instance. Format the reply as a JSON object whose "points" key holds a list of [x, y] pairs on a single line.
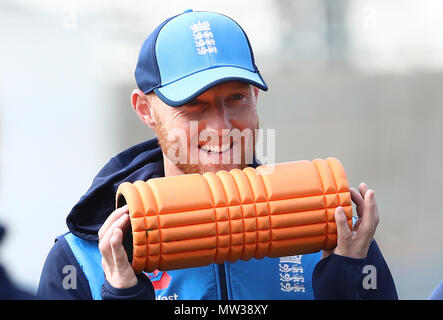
{"points": [[140, 162]]}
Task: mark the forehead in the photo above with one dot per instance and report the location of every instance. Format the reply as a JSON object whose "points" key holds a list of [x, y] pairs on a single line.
{"points": [[230, 85], [225, 88]]}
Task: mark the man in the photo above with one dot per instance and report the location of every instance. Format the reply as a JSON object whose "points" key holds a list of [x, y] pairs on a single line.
{"points": [[198, 83]]}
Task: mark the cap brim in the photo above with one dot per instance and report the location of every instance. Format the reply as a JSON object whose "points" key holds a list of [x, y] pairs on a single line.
{"points": [[185, 90]]}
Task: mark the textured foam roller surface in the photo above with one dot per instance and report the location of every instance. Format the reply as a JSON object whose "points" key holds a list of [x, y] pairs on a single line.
{"points": [[275, 210]]}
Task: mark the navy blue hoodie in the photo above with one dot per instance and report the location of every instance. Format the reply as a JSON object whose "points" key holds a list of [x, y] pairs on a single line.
{"points": [[334, 277]]}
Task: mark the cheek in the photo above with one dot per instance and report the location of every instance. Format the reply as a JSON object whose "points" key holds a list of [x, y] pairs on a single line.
{"points": [[176, 128], [245, 118]]}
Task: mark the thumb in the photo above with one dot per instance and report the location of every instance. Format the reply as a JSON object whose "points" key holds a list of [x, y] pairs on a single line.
{"points": [[343, 231]]}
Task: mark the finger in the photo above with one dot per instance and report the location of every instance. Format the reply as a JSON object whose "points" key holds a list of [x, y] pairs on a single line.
{"points": [[370, 218], [118, 252], [121, 223], [359, 202], [107, 261], [356, 197], [363, 188], [105, 245], [107, 269], [115, 215], [355, 226], [344, 234]]}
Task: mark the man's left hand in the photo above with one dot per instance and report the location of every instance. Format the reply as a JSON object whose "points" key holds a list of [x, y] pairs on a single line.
{"points": [[355, 243]]}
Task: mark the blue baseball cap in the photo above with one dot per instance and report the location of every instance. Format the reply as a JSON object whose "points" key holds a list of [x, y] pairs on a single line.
{"points": [[192, 52]]}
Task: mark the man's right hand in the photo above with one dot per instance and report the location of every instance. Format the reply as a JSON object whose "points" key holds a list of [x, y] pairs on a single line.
{"points": [[118, 270]]}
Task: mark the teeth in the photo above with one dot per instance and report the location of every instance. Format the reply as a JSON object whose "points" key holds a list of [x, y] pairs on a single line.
{"points": [[216, 148]]}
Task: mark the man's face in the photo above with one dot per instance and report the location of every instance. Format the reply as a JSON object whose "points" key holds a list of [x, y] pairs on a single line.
{"points": [[215, 131]]}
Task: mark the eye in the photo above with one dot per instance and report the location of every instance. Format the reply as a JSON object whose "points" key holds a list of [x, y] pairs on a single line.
{"points": [[237, 96], [194, 102], [193, 106]]}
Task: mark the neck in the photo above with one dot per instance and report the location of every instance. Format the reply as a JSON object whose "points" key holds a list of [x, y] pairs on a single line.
{"points": [[170, 168]]}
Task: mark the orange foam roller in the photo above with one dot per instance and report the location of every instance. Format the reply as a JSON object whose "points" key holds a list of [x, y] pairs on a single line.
{"points": [[272, 211]]}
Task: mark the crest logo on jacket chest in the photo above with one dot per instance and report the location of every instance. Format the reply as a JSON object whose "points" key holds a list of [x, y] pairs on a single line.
{"points": [[291, 274]]}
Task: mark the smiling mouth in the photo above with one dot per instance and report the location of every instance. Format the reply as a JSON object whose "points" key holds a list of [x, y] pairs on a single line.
{"points": [[216, 148]]}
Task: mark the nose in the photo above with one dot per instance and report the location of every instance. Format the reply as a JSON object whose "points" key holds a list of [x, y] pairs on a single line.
{"points": [[217, 120]]}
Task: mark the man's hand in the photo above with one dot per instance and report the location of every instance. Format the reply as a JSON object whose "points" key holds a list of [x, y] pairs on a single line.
{"points": [[355, 244], [116, 266]]}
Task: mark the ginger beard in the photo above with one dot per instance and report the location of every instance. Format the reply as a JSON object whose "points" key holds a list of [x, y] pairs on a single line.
{"points": [[244, 145]]}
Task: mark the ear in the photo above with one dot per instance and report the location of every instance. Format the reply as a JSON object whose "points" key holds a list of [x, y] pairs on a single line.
{"points": [[143, 107], [256, 91]]}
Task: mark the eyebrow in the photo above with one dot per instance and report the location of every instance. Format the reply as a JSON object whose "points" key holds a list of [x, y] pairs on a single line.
{"points": [[241, 84], [238, 85]]}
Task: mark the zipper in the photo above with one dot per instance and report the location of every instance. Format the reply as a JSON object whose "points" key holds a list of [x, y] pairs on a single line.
{"points": [[223, 286]]}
